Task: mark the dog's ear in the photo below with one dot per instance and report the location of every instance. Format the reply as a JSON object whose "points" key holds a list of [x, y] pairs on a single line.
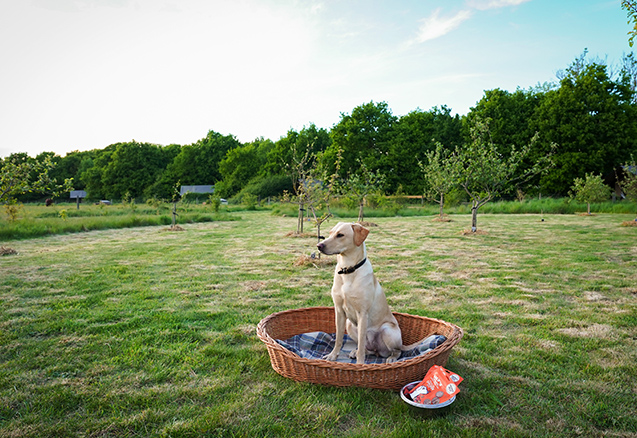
{"points": [[360, 234]]}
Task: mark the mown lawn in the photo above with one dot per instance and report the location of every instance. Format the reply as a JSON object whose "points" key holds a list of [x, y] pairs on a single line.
{"points": [[148, 332]]}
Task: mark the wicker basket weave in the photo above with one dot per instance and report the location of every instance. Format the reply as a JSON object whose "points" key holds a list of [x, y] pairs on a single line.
{"points": [[284, 325]]}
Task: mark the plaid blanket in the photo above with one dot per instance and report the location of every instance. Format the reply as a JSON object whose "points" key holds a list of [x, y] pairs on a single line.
{"points": [[315, 345]]}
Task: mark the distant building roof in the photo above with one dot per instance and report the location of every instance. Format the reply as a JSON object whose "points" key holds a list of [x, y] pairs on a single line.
{"points": [[196, 189]]}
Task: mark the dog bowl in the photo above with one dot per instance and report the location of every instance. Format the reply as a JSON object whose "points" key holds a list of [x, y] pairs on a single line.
{"points": [[425, 410]]}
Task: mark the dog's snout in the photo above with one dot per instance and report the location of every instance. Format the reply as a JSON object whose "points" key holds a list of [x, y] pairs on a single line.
{"points": [[320, 246]]}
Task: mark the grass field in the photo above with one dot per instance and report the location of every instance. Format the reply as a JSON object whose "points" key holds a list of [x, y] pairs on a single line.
{"points": [[147, 332]]}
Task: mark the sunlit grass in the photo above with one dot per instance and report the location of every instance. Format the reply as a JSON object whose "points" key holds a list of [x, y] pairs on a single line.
{"points": [[144, 332]]}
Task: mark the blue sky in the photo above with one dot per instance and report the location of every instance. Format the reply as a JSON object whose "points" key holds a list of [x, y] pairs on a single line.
{"points": [[83, 74]]}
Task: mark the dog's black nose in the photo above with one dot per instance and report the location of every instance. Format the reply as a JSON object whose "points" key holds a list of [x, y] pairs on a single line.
{"points": [[320, 246]]}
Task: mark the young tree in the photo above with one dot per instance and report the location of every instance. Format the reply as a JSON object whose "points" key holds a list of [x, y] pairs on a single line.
{"points": [[481, 170], [628, 183], [438, 175], [590, 189], [361, 184]]}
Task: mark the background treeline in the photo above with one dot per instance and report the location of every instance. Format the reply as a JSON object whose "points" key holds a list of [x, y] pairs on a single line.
{"points": [[589, 113]]}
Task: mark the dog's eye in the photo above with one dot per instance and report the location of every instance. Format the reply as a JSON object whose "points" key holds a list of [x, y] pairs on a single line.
{"points": [[340, 235]]}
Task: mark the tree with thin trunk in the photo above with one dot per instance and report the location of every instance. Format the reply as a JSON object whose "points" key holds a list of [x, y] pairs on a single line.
{"points": [[484, 173], [362, 184], [590, 189], [438, 176]]}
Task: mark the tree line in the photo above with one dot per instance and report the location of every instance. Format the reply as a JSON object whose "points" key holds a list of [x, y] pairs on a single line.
{"points": [[586, 121]]}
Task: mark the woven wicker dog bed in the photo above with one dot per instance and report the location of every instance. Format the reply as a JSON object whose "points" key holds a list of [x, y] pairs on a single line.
{"points": [[284, 325]]}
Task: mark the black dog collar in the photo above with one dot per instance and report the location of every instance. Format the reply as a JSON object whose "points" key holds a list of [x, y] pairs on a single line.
{"points": [[351, 269]]}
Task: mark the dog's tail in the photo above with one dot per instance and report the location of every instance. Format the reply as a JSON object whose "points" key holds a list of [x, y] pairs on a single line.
{"points": [[412, 346]]}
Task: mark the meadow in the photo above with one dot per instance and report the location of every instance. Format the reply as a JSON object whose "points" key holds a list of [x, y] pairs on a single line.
{"points": [[143, 331]]}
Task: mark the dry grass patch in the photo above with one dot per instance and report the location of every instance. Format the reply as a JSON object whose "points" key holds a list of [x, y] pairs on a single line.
{"points": [[4, 250], [629, 223], [304, 260]]}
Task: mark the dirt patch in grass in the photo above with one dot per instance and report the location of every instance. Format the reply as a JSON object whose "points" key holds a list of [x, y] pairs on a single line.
{"points": [[368, 224], [295, 234], [441, 219], [7, 251], [175, 228], [314, 261], [598, 331], [629, 223]]}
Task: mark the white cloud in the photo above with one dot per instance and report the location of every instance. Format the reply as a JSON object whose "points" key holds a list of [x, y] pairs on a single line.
{"points": [[494, 4], [435, 26]]}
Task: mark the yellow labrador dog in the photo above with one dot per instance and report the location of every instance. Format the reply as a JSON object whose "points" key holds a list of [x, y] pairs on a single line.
{"points": [[359, 301]]}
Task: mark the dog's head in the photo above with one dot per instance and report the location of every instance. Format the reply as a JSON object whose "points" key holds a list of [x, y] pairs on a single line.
{"points": [[343, 237]]}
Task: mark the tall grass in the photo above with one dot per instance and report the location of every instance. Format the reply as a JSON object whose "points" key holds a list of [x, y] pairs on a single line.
{"points": [[37, 221], [533, 206]]}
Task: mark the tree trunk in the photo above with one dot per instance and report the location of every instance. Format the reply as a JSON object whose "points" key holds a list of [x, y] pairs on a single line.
{"points": [[588, 208], [442, 204], [174, 214], [474, 218], [299, 225], [360, 212]]}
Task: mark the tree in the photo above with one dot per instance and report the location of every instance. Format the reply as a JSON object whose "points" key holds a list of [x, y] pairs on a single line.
{"points": [[199, 163], [438, 175], [592, 120], [628, 183], [241, 165], [509, 115], [484, 173], [413, 136], [589, 189], [362, 184], [364, 138], [19, 174], [631, 9], [132, 168]]}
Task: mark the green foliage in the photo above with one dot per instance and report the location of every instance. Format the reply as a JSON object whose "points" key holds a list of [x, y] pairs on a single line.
{"points": [[241, 165], [591, 120], [363, 138], [590, 189], [20, 174], [414, 136], [12, 208], [631, 9], [628, 183], [215, 202], [438, 175], [483, 172]]}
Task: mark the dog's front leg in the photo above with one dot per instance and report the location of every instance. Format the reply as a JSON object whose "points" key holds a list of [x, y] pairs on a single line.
{"points": [[362, 338], [340, 332]]}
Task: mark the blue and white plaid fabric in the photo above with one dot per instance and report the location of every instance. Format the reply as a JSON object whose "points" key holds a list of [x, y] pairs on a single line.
{"points": [[315, 345]]}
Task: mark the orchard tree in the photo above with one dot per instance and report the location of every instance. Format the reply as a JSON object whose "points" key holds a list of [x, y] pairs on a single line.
{"points": [[590, 189], [438, 175], [360, 185], [484, 173], [628, 183], [19, 174]]}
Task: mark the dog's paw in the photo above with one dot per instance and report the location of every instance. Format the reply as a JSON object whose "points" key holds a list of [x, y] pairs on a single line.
{"points": [[352, 354], [331, 357]]}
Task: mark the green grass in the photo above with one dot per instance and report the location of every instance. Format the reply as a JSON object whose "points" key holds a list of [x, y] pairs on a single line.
{"points": [[145, 332], [38, 220]]}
